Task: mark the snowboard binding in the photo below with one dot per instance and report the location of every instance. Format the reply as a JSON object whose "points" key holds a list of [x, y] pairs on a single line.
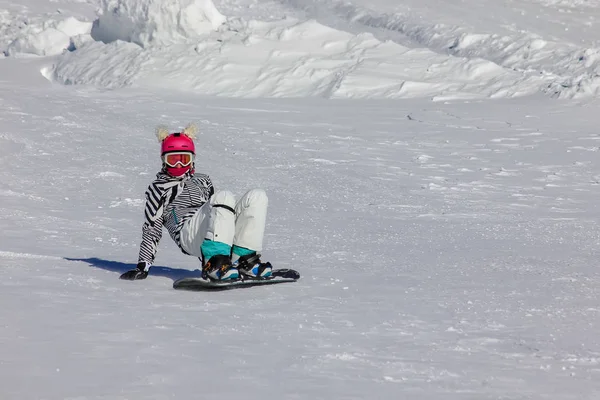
{"points": [[220, 268], [251, 267]]}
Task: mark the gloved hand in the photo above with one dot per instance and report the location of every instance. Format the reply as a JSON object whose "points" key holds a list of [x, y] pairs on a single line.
{"points": [[135, 274]]}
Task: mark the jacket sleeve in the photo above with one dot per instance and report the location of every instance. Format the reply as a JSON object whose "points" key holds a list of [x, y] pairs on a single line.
{"points": [[207, 183], [152, 228], [151, 235], [211, 189]]}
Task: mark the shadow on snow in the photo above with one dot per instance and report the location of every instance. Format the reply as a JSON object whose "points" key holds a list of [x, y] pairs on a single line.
{"points": [[116, 266]]}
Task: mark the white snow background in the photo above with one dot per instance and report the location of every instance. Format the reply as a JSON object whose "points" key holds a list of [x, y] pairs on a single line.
{"points": [[433, 172]]}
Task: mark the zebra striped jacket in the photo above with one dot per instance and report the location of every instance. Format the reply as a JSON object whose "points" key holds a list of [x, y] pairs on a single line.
{"points": [[170, 202]]}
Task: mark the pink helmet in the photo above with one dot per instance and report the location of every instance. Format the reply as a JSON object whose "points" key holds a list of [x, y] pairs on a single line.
{"points": [[177, 143]]}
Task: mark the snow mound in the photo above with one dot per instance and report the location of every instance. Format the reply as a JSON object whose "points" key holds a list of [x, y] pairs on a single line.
{"points": [[190, 45], [158, 22], [291, 58], [50, 37], [567, 67]]}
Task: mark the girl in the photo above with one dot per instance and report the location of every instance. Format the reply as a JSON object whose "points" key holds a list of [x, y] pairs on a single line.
{"points": [[225, 235]]}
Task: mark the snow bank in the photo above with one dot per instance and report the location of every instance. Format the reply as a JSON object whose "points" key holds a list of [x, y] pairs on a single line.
{"points": [[292, 58], [567, 68], [50, 37], [110, 65], [190, 45], [147, 22]]}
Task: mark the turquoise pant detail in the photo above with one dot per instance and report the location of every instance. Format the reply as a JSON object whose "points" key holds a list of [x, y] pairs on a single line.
{"points": [[242, 251], [211, 248]]}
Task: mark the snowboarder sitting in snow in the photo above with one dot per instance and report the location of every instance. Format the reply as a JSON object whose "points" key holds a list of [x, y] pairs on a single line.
{"points": [[226, 235]]}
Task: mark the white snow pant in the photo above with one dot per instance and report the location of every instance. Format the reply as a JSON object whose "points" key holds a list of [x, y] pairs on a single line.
{"points": [[215, 221]]}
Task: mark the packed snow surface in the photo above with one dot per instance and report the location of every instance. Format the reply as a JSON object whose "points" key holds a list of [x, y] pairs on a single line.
{"points": [[448, 248]]}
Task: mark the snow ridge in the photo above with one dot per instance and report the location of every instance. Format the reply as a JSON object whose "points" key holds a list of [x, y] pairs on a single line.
{"points": [[160, 22], [567, 70], [388, 52], [283, 58]]}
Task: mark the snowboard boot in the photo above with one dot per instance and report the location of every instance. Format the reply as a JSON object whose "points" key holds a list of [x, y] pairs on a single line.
{"points": [[251, 266], [220, 268]]}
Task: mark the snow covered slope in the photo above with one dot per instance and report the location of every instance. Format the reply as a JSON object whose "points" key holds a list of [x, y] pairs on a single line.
{"points": [[448, 249], [300, 48]]}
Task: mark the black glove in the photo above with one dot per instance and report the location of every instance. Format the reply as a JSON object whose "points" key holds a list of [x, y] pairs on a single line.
{"points": [[135, 274]]}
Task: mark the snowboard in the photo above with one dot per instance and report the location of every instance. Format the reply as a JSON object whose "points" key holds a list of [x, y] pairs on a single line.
{"points": [[201, 284]]}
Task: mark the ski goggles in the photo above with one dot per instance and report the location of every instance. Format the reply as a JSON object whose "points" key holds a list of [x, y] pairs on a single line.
{"points": [[182, 158]]}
